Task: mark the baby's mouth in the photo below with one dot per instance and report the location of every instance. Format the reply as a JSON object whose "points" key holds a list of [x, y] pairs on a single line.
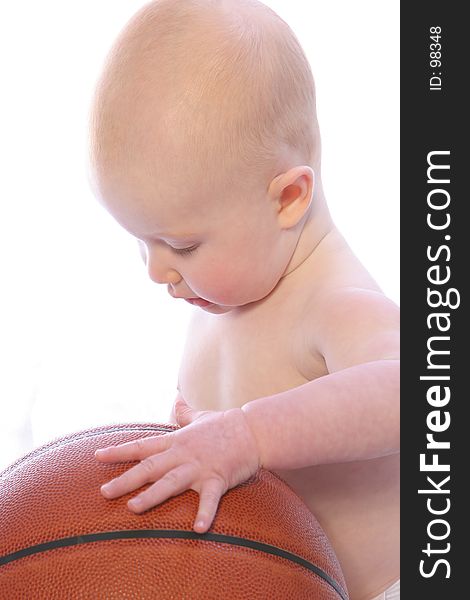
{"points": [[198, 302]]}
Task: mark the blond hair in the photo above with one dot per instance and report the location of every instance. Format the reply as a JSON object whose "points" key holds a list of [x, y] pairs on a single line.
{"points": [[239, 85]]}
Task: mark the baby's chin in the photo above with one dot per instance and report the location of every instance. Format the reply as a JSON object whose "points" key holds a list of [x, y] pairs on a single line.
{"points": [[238, 302], [218, 309], [221, 309]]}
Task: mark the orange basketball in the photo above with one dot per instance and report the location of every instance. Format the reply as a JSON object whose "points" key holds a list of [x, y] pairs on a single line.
{"points": [[60, 539]]}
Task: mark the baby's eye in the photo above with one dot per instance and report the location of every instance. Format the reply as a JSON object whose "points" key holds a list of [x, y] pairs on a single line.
{"points": [[185, 250]]}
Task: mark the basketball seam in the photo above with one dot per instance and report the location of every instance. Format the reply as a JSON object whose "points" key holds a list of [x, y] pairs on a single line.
{"points": [[174, 534]]}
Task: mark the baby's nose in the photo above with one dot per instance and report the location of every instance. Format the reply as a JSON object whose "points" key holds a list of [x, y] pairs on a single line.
{"points": [[158, 264], [162, 274]]}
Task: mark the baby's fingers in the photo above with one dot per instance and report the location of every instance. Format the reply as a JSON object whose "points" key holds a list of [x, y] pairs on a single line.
{"points": [[209, 498], [174, 482], [150, 469], [135, 450]]}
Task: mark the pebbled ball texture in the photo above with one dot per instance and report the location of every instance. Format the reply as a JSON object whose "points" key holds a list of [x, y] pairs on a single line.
{"points": [[61, 540]]}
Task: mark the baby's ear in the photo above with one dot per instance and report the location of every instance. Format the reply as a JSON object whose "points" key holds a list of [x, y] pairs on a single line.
{"points": [[292, 192]]}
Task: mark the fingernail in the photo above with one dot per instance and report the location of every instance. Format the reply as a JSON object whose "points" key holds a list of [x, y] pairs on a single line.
{"points": [[200, 524], [135, 502], [105, 488]]}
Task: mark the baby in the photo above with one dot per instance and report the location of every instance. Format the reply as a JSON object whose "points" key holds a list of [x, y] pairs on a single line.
{"points": [[205, 147]]}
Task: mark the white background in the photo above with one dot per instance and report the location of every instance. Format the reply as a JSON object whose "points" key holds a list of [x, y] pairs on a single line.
{"points": [[85, 338]]}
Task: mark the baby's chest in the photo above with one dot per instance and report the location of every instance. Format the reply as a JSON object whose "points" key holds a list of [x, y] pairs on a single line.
{"points": [[223, 366]]}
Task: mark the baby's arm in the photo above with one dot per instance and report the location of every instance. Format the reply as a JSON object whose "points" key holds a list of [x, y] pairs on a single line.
{"points": [[353, 412]]}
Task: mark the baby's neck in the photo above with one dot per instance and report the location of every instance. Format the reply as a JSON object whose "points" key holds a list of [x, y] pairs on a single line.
{"points": [[316, 228]]}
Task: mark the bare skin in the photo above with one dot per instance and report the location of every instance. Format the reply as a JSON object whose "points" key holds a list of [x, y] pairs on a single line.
{"points": [[295, 354]]}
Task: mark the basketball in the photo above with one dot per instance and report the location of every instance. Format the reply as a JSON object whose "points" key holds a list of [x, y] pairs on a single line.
{"points": [[61, 539]]}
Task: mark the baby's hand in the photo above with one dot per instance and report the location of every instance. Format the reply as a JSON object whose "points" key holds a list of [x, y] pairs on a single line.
{"points": [[212, 453]]}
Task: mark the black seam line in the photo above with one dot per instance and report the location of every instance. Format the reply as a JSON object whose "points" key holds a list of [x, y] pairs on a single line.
{"points": [[173, 533]]}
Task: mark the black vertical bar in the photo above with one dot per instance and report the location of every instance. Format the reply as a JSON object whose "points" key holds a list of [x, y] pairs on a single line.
{"points": [[435, 260]]}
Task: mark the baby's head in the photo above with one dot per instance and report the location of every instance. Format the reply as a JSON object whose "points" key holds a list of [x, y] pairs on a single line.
{"points": [[204, 145]]}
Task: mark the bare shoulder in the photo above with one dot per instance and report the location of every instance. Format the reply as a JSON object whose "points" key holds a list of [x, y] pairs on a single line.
{"points": [[354, 325]]}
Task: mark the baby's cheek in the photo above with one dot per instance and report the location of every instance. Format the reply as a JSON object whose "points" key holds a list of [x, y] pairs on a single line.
{"points": [[223, 284]]}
